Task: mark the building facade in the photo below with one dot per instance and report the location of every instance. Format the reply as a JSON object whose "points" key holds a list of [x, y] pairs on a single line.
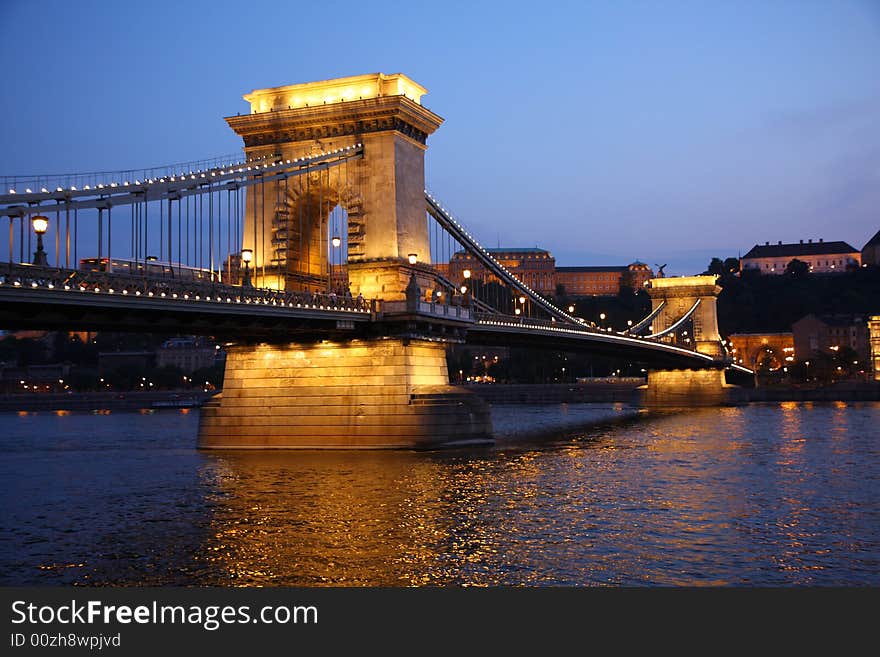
{"points": [[534, 267], [871, 251], [187, 354], [821, 257], [822, 333], [874, 338], [602, 281]]}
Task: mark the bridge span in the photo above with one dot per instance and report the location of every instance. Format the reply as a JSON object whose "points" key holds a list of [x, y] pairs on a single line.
{"points": [[322, 262]]}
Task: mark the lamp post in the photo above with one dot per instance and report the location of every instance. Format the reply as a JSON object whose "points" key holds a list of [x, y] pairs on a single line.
{"points": [[41, 225], [336, 241], [522, 302], [601, 320], [246, 256]]}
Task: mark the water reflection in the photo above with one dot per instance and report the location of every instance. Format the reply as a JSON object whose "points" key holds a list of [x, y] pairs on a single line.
{"points": [[763, 494]]}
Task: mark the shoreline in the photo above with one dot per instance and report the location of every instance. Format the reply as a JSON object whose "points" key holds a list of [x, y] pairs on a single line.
{"points": [[552, 393], [100, 401]]}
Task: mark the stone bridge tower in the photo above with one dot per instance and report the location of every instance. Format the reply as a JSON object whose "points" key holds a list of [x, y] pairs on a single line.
{"points": [[382, 193], [383, 389], [705, 387], [680, 294]]}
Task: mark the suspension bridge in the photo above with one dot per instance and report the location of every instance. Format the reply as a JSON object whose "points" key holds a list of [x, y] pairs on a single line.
{"points": [[323, 262]]}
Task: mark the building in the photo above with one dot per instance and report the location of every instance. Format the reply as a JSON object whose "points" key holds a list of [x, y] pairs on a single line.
{"points": [[537, 269], [187, 354], [602, 281], [822, 333], [534, 267], [874, 338], [821, 257], [871, 251], [110, 361], [762, 350]]}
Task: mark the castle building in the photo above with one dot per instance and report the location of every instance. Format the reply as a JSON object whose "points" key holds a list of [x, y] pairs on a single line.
{"points": [[821, 257], [602, 281], [534, 267]]}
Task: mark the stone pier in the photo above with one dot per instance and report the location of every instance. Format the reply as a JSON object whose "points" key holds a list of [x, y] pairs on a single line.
{"points": [[682, 388], [362, 394]]}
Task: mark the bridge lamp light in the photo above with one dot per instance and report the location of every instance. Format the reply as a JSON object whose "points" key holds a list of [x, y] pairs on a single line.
{"points": [[602, 316], [522, 300], [571, 308], [40, 225], [247, 255], [466, 273], [336, 241], [516, 311], [464, 289], [413, 258], [629, 322]]}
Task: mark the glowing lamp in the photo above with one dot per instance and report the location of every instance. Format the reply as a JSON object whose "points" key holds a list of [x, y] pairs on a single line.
{"points": [[40, 224], [246, 256], [336, 241], [413, 258]]}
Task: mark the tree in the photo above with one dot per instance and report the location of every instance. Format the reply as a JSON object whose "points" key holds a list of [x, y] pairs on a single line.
{"points": [[731, 266], [797, 268], [627, 284], [715, 267]]}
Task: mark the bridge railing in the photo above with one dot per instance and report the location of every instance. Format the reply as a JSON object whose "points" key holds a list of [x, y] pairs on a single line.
{"points": [[33, 277], [51, 181], [450, 310]]}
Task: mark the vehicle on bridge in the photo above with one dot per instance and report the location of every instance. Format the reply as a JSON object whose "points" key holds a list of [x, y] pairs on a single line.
{"points": [[152, 267]]}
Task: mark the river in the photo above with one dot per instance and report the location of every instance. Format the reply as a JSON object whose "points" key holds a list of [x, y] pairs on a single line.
{"points": [[578, 494]]}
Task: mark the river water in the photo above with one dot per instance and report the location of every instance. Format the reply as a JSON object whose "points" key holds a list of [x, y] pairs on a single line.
{"points": [[782, 494]]}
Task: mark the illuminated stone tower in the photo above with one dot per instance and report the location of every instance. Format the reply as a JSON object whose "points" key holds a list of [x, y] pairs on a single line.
{"points": [[382, 193], [387, 389], [679, 294], [704, 387]]}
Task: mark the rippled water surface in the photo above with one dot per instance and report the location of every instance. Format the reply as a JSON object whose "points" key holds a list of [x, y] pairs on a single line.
{"points": [[764, 494]]}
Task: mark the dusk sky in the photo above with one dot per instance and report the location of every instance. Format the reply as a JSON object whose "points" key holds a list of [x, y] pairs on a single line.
{"points": [[603, 131]]}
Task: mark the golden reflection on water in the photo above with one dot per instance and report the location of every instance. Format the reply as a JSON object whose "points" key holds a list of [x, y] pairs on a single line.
{"points": [[313, 516], [696, 498]]}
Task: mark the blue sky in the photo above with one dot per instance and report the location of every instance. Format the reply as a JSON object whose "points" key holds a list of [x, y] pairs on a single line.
{"points": [[603, 131]]}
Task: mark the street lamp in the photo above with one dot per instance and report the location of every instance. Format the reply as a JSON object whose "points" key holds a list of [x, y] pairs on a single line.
{"points": [[601, 319], [466, 273], [571, 308], [246, 256], [336, 241], [413, 258], [41, 225]]}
